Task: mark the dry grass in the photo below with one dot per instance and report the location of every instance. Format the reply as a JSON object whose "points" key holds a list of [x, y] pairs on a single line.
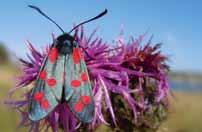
{"points": [[185, 113], [8, 118]]}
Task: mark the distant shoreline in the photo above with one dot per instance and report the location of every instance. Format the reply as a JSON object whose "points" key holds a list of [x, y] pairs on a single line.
{"points": [[186, 76]]}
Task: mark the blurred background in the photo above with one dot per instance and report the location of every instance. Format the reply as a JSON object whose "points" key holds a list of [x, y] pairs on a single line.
{"points": [[177, 24]]}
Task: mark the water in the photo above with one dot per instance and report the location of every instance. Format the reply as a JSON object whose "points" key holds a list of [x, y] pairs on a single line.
{"points": [[183, 85]]}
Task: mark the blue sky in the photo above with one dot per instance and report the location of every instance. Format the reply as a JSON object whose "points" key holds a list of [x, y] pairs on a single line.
{"points": [[175, 23]]}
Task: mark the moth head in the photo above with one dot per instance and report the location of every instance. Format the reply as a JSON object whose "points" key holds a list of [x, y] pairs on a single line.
{"points": [[65, 43], [65, 38]]}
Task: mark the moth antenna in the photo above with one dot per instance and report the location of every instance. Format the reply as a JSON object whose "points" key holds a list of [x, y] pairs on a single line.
{"points": [[87, 53], [94, 18], [43, 14]]}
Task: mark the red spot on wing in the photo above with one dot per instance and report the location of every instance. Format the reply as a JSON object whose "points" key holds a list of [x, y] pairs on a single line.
{"points": [[38, 96], [75, 83], [78, 107], [42, 75], [84, 77], [51, 82], [45, 104], [86, 99], [53, 55], [76, 55]]}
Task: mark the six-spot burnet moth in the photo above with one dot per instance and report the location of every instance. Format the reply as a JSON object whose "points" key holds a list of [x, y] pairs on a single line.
{"points": [[63, 78]]}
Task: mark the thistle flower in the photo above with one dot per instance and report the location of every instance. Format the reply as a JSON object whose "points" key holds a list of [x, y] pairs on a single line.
{"points": [[127, 79]]}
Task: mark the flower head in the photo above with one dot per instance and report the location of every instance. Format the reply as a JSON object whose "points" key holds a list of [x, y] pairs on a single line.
{"points": [[126, 77]]}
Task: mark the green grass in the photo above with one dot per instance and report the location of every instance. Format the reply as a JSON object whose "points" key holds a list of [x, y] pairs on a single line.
{"points": [[185, 111]]}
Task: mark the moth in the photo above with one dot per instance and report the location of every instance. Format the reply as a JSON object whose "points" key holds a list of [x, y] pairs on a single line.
{"points": [[63, 78]]}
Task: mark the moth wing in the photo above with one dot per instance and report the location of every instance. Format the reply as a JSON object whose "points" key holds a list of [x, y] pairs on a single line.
{"points": [[48, 88], [78, 91]]}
